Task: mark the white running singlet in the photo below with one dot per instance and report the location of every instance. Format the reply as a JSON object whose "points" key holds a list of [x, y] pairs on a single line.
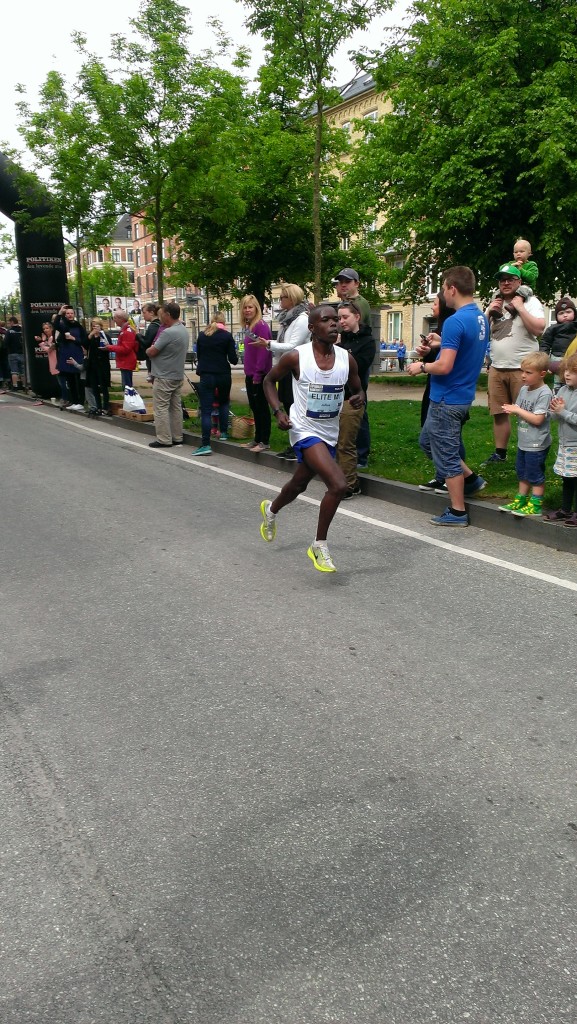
{"points": [[318, 396]]}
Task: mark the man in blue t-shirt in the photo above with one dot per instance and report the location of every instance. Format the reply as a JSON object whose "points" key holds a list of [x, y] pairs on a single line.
{"points": [[454, 380]]}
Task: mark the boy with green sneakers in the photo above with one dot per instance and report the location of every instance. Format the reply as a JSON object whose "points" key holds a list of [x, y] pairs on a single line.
{"points": [[533, 436]]}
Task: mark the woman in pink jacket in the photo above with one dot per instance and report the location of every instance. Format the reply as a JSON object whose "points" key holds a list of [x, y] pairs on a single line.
{"points": [[257, 363]]}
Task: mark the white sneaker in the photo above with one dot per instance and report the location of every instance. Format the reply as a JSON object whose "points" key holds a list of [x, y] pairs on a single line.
{"points": [[320, 557], [75, 408], [268, 525]]}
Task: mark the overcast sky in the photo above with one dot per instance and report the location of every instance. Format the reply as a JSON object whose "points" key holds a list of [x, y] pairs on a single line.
{"points": [[37, 34]]}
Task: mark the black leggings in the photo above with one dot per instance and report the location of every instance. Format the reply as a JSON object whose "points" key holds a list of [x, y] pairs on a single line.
{"points": [[569, 493], [73, 386], [260, 410]]}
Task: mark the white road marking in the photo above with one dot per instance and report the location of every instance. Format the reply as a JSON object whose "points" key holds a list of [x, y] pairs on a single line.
{"points": [[205, 463]]}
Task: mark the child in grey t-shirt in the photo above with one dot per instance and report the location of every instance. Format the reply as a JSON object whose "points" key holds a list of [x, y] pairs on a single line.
{"points": [[533, 436]]}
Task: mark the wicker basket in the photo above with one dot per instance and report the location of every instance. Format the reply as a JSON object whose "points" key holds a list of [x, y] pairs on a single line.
{"points": [[242, 426]]}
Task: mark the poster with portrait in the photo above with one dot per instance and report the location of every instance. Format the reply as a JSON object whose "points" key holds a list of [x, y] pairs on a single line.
{"points": [[104, 306], [108, 305]]}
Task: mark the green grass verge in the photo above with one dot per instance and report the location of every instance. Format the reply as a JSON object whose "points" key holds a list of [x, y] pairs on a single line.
{"points": [[400, 380], [395, 452]]}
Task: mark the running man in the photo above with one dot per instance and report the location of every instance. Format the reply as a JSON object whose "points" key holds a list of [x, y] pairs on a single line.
{"points": [[320, 371]]}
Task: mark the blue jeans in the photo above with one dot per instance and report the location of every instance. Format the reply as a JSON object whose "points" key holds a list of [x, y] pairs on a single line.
{"points": [[213, 387], [530, 466], [126, 378], [441, 440]]}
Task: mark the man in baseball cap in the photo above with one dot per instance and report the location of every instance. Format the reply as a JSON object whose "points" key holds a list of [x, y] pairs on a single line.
{"points": [[508, 270], [347, 288], [517, 318], [348, 274]]}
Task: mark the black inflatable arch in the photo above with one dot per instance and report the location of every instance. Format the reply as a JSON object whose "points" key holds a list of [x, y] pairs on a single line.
{"points": [[42, 272]]}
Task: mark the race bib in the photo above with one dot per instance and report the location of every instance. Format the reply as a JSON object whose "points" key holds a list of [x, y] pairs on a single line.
{"points": [[324, 401]]}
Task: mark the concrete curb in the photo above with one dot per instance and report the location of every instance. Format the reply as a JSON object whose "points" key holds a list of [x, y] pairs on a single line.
{"points": [[482, 514]]}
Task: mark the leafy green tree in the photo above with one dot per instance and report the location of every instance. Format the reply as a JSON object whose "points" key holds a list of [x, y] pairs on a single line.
{"points": [[153, 107], [10, 304], [68, 153], [302, 37], [7, 249], [246, 217], [106, 279], [479, 147]]}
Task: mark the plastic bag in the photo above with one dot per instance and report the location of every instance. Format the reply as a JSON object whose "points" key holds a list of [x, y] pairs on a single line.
{"points": [[133, 402]]}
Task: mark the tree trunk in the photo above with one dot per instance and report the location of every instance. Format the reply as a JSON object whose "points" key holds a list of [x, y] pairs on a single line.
{"points": [[317, 239], [79, 280], [258, 289], [159, 255]]}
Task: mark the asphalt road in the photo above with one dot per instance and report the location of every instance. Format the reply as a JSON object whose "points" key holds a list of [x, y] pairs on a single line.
{"points": [[238, 791]]}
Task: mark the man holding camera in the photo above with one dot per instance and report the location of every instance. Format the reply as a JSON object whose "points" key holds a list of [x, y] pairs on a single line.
{"points": [[515, 324]]}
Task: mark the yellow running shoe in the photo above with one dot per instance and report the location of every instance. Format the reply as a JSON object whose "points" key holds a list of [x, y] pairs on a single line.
{"points": [[321, 559], [268, 525]]}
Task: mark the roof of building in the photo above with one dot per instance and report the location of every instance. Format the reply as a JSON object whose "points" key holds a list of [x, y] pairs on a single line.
{"points": [[122, 229], [357, 86], [354, 87]]}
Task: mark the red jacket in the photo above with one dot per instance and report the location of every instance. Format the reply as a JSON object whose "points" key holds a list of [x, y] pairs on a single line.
{"points": [[126, 349]]}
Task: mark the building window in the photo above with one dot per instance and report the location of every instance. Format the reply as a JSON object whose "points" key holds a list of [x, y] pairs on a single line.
{"points": [[371, 118], [154, 284], [432, 282], [139, 286], [115, 254], [345, 243], [153, 253], [346, 126], [100, 256], [144, 255], [137, 230], [129, 256], [131, 276], [394, 327], [137, 255]]}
